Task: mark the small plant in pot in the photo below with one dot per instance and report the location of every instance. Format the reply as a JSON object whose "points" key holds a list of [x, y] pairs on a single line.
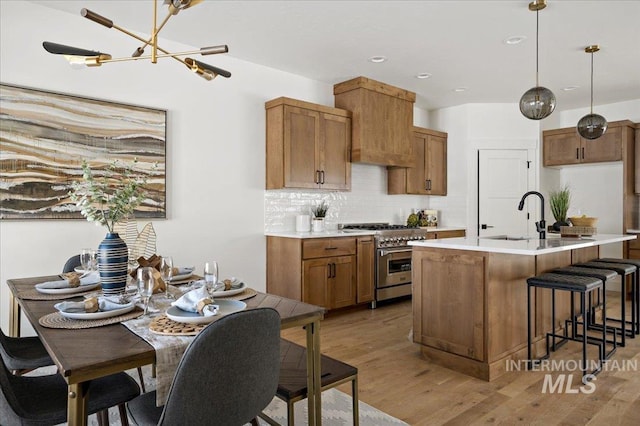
{"points": [[559, 202], [319, 212]]}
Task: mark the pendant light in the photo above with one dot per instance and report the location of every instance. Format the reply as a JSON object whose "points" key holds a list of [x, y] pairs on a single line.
{"points": [[538, 102], [592, 126]]}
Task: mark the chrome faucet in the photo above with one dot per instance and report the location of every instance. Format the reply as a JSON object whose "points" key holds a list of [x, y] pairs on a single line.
{"points": [[540, 226]]}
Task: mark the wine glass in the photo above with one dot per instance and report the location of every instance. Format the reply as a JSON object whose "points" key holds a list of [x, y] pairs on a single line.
{"points": [[85, 259], [166, 269], [146, 283], [211, 276], [93, 260]]}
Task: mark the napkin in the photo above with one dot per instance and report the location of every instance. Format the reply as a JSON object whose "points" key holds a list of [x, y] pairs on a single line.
{"points": [[88, 279], [190, 300], [105, 303], [183, 270], [231, 283]]}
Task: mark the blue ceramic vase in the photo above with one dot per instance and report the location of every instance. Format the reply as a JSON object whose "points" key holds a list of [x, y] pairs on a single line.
{"points": [[112, 264]]}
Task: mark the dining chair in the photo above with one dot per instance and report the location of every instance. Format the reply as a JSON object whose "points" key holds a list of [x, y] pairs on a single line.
{"points": [[227, 376], [42, 400], [23, 354], [71, 264]]}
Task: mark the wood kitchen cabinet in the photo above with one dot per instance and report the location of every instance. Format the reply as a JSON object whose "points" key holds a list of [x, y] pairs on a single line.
{"points": [[565, 146], [319, 271], [382, 121], [366, 253], [428, 174], [308, 146], [446, 234]]}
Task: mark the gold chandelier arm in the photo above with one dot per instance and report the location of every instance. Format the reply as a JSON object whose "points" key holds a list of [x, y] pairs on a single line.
{"points": [[140, 50], [165, 55]]}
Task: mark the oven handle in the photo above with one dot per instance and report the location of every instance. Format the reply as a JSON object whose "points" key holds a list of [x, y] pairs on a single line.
{"points": [[386, 252]]}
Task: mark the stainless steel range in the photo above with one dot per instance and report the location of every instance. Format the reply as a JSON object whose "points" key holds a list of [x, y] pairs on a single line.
{"points": [[393, 257]]}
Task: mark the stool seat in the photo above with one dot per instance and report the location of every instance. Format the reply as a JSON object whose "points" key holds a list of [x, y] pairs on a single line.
{"points": [[580, 284], [601, 274], [635, 262], [620, 268]]}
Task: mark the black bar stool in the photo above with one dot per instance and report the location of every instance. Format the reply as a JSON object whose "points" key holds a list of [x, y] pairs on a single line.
{"points": [[635, 289], [604, 275], [581, 285], [623, 270]]}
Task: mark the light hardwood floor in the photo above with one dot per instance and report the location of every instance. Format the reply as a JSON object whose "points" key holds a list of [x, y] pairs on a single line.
{"points": [[394, 378]]}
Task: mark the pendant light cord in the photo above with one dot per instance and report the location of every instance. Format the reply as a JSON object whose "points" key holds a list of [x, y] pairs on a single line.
{"points": [[592, 83], [537, 12]]}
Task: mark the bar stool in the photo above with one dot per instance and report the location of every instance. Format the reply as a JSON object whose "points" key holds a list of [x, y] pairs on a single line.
{"points": [[604, 275], [623, 270], [582, 285], [635, 289]]}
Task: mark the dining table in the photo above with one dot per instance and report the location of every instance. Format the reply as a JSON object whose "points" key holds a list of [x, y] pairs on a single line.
{"points": [[85, 354]]}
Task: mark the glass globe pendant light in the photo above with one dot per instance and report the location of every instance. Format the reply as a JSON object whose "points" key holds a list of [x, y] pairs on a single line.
{"points": [[538, 102], [592, 126]]}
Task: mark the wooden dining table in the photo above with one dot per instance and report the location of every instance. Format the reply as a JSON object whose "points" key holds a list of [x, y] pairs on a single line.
{"points": [[85, 354]]}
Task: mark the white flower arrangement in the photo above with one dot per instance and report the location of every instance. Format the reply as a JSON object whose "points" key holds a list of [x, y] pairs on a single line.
{"points": [[111, 198]]}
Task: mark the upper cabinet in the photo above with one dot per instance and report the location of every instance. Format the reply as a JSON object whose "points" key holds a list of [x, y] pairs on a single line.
{"points": [[308, 146], [428, 172], [382, 121], [565, 146]]}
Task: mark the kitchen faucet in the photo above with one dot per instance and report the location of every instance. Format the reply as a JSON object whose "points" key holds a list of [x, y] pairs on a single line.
{"points": [[540, 226]]}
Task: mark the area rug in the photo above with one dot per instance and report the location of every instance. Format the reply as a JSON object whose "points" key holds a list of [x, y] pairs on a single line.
{"points": [[336, 408]]}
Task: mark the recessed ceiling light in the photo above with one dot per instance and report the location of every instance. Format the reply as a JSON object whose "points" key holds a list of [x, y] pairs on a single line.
{"points": [[423, 75], [460, 89], [515, 40], [377, 59], [570, 88]]}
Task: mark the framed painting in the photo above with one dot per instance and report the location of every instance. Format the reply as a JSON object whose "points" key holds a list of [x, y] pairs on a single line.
{"points": [[45, 137]]}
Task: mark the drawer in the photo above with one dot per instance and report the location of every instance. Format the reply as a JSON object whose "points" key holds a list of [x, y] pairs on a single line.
{"points": [[446, 234], [634, 244], [325, 247], [633, 254]]}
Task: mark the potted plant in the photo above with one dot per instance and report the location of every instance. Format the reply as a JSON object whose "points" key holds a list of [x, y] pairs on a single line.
{"points": [[319, 212], [107, 200], [559, 201]]}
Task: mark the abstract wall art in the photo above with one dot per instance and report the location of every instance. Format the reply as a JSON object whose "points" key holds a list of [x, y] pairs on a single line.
{"points": [[45, 137]]}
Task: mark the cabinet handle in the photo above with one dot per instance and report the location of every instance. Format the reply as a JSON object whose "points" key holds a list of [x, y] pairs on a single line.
{"points": [[328, 270], [583, 152], [317, 177], [428, 184], [322, 177], [333, 267], [577, 153], [331, 248]]}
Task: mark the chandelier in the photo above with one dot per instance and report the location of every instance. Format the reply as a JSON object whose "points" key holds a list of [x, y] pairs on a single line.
{"points": [[83, 57], [592, 126]]}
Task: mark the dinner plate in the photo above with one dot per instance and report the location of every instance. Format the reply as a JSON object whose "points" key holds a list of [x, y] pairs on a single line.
{"points": [[181, 277], [225, 307], [233, 291], [79, 270], [68, 290], [81, 315]]}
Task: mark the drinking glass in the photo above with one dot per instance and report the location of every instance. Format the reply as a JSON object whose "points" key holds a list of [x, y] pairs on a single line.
{"points": [[93, 260], [211, 276], [166, 269], [146, 283], [85, 259]]}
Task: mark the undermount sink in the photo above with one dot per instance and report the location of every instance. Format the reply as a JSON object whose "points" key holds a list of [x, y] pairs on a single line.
{"points": [[507, 238]]}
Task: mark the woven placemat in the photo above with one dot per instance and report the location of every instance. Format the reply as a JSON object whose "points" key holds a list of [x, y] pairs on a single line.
{"points": [[36, 295], [55, 320], [168, 327], [247, 294]]}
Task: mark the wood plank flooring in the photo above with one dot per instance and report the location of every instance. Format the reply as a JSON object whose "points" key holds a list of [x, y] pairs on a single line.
{"points": [[395, 378]]}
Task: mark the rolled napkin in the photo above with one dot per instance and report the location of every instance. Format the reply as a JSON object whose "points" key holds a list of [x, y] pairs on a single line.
{"points": [[92, 304], [183, 270], [197, 301], [232, 283], [72, 279]]}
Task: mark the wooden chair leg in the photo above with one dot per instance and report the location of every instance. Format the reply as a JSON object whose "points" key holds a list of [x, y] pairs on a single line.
{"points": [[290, 414], [141, 380], [124, 420], [254, 422], [103, 417], [356, 402]]}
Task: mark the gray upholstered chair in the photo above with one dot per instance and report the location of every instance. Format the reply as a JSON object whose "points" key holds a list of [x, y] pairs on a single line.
{"points": [[23, 354], [71, 264], [227, 376], [42, 400]]}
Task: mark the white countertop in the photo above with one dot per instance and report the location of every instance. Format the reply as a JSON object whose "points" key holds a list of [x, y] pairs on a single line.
{"points": [[339, 233], [633, 231], [531, 247]]}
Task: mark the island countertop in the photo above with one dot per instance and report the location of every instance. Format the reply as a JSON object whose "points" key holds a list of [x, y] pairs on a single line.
{"points": [[529, 247]]}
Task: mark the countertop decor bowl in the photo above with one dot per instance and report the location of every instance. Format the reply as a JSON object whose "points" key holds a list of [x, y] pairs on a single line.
{"points": [[584, 221]]}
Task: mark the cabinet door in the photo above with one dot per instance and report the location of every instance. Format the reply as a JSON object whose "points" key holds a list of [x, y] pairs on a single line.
{"points": [[301, 139], [436, 165], [607, 147], [315, 281], [365, 280], [342, 284], [561, 148], [334, 163], [416, 175]]}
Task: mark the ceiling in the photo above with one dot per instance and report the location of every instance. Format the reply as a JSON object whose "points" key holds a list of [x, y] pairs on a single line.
{"points": [[460, 43]]}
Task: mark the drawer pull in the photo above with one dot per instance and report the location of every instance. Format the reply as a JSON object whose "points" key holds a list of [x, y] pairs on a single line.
{"points": [[331, 248]]}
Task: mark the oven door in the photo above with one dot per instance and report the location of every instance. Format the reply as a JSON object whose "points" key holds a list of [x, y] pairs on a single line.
{"points": [[394, 267]]}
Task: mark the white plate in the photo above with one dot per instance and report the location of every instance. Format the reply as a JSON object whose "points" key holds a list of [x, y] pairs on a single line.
{"points": [[225, 307], [96, 315], [181, 277], [79, 270], [68, 290], [233, 291]]}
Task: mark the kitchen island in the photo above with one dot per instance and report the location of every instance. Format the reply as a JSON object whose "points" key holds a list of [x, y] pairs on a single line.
{"points": [[470, 297]]}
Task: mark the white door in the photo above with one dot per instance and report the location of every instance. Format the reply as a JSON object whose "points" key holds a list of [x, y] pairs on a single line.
{"points": [[503, 178]]}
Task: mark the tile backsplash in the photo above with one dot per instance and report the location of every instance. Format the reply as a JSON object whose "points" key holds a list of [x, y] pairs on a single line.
{"points": [[366, 202]]}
